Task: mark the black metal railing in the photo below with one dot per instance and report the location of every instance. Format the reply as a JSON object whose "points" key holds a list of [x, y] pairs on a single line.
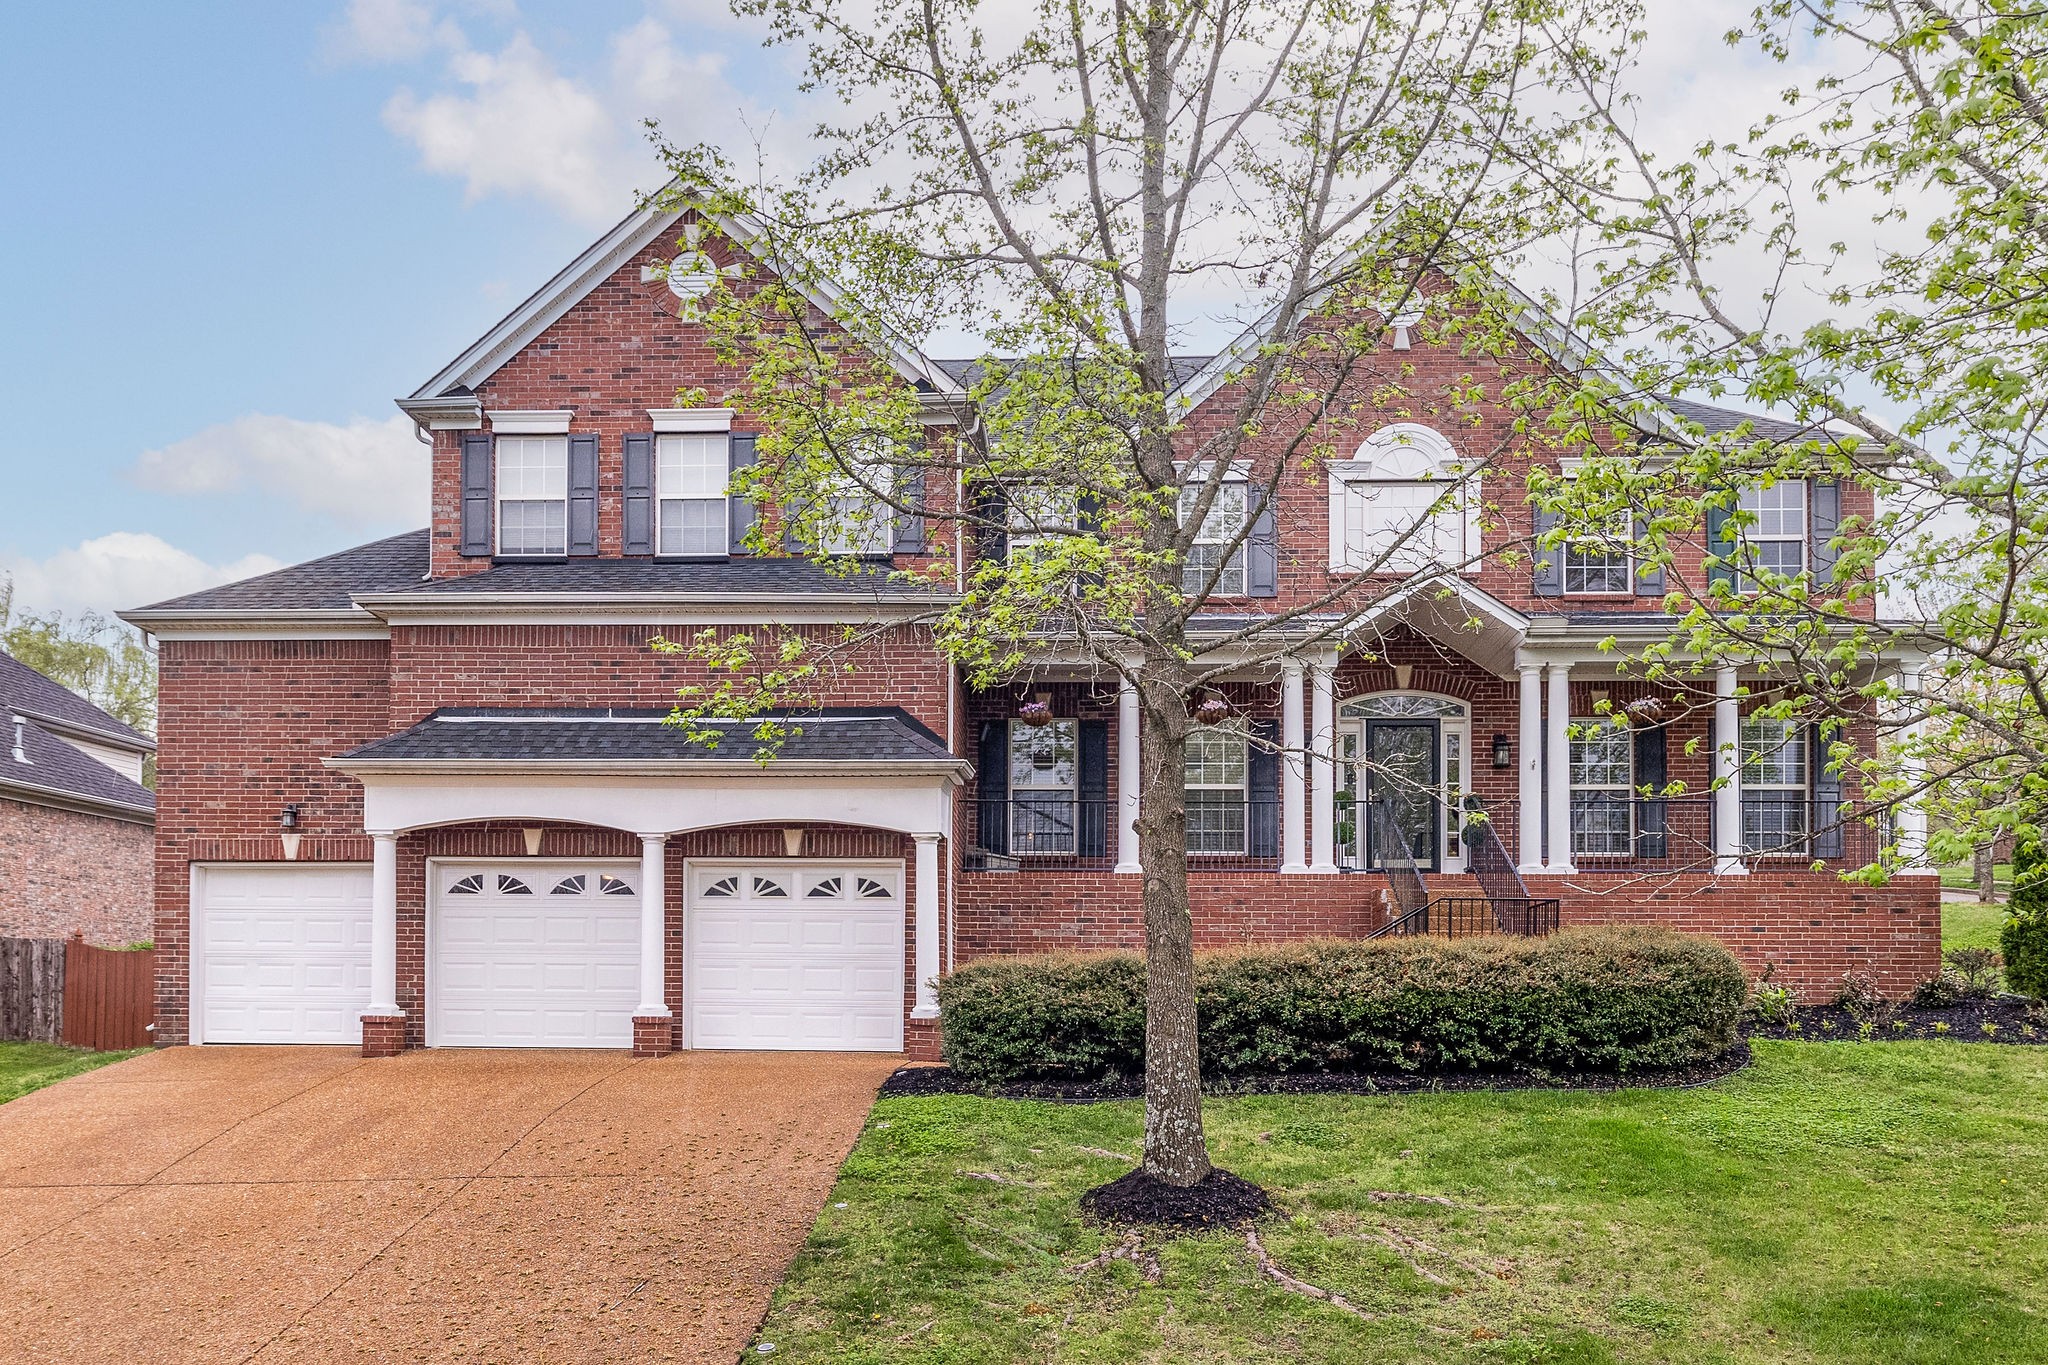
{"points": [[1395, 858], [1626, 832], [1054, 830]]}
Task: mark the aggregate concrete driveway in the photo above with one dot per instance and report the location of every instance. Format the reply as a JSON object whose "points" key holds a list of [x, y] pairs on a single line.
{"points": [[302, 1204]]}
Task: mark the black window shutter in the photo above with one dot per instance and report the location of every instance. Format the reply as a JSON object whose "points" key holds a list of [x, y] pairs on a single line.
{"points": [[1824, 504], [1262, 789], [1650, 742], [992, 523], [992, 779], [1548, 578], [1262, 550], [639, 493], [1827, 799], [739, 510], [476, 492], [583, 493], [1093, 762], [1720, 547], [910, 525], [1649, 577]]}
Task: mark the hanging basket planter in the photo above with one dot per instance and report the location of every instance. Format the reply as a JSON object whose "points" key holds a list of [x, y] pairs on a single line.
{"points": [[1212, 711], [1034, 714]]}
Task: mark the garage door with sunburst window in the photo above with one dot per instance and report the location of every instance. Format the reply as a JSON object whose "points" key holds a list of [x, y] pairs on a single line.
{"points": [[795, 955]]}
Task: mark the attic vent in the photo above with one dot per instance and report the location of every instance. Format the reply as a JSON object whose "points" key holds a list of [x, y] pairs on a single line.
{"points": [[21, 740]]}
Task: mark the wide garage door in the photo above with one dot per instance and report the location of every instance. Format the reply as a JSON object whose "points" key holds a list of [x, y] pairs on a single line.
{"points": [[282, 953], [795, 955], [533, 954]]}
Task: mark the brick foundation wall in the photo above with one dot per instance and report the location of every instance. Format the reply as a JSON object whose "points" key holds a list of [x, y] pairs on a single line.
{"points": [[65, 872]]}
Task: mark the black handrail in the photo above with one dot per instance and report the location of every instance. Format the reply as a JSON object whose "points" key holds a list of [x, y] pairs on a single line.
{"points": [[1390, 850]]}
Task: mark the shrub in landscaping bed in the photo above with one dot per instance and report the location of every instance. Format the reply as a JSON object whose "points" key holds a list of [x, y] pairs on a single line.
{"points": [[2024, 938], [1610, 999]]}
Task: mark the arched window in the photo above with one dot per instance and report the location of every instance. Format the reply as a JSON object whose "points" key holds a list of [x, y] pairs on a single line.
{"points": [[1401, 504]]}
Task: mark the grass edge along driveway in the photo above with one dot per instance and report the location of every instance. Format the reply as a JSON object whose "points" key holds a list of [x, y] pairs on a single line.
{"points": [[1836, 1202], [31, 1066]]}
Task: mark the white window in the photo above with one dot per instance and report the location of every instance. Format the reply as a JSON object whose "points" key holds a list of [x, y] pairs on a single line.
{"points": [[1401, 505], [1213, 543], [1602, 771], [533, 495], [857, 523], [1216, 765], [690, 478], [1597, 560], [1774, 797], [1776, 539], [1044, 772], [1039, 515]]}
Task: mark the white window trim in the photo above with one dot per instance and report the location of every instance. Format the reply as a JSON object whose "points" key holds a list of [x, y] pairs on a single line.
{"points": [[498, 501], [690, 421], [1344, 473], [1049, 795], [1746, 535], [1800, 792], [1626, 791], [661, 551], [1242, 788], [1241, 556], [531, 422]]}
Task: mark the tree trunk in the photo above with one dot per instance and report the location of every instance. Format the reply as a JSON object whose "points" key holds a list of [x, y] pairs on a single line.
{"points": [[1986, 871], [1176, 1150]]}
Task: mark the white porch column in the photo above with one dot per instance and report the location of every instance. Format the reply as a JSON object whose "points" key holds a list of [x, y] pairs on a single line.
{"points": [[653, 928], [383, 925], [1293, 771], [1912, 818], [925, 951], [1323, 768], [1559, 774], [1728, 772], [1529, 812], [1127, 775]]}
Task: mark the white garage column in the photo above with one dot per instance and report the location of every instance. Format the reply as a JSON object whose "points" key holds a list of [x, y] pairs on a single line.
{"points": [[383, 1021], [651, 1016], [1728, 772], [1560, 772], [926, 946], [1127, 775]]}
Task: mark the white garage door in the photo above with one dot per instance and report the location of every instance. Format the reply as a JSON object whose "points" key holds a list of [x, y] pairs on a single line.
{"points": [[796, 955], [283, 953], [533, 954]]}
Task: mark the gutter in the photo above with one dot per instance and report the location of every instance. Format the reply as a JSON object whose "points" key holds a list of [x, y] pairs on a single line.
{"points": [[37, 795], [958, 769]]}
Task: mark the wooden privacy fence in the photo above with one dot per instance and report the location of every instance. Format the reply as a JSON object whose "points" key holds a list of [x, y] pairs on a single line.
{"points": [[31, 989], [109, 996], [54, 991]]}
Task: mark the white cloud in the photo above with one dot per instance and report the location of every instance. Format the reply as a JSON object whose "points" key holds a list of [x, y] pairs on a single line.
{"points": [[390, 31], [120, 570], [364, 473]]}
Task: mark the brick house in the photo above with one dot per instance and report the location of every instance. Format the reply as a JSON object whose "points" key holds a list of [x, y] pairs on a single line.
{"points": [[76, 836], [418, 793]]}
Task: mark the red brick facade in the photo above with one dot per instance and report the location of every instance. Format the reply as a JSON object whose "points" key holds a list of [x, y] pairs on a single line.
{"points": [[64, 872]]}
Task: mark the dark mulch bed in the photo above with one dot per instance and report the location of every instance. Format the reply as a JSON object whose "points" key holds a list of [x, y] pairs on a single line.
{"points": [[940, 1080], [1218, 1200], [2009, 1020]]}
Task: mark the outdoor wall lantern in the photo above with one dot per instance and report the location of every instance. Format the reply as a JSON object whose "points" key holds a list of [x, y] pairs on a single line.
{"points": [[1503, 756], [288, 818]]}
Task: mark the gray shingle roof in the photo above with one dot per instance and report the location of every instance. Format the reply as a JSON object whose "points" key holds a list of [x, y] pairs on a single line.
{"points": [[324, 584], [741, 574], [50, 767], [1179, 369], [833, 735], [1715, 420]]}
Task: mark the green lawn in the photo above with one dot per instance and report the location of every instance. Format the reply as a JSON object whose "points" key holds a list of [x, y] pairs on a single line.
{"points": [[1966, 924], [1963, 877], [31, 1066], [1834, 1203]]}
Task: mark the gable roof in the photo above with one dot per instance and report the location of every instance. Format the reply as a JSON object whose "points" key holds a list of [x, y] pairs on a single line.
{"points": [[599, 262], [34, 713], [326, 584]]}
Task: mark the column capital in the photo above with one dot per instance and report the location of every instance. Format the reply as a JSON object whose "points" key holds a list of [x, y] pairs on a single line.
{"points": [[927, 838], [654, 839], [1291, 665]]}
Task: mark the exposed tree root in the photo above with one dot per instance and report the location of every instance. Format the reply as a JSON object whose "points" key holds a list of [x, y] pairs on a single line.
{"points": [[1131, 1249], [1105, 1153], [994, 1179], [1391, 1196], [1302, 1287]]}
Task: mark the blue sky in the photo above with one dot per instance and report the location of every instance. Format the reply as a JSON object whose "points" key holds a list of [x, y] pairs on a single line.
{"points": [[235, 232]]}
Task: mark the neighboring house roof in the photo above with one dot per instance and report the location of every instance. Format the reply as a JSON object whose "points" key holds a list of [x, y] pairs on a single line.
{"points": [[853, 736], [38, 766], [1715, 420], [329, 583]]}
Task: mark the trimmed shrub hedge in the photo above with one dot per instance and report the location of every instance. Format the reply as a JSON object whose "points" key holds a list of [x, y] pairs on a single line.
{"points": [[2024, 939], [1608, 999]]}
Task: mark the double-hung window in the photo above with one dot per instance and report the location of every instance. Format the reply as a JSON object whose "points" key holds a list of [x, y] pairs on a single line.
{"points": [[1219, 545], [533, 495], [1774, 795], [857, 522], [691, 471], [1038, 516], [1596, 560], [1603, 775], [1773, 537], [1402, 504], [1044, 774], [1217, 767]]}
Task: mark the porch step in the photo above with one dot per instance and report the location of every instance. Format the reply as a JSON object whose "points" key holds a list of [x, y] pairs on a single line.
{"points": [[1452, 884]]}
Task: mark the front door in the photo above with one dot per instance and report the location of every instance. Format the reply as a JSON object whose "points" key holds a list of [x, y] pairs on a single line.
{"points": [[1402, 781]]}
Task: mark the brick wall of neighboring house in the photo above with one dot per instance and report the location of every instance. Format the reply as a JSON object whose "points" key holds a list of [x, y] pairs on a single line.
{"points": [[1812, 926], [243, 727], [65, 872]]}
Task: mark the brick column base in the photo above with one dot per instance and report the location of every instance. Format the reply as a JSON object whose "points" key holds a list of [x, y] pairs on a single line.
{"points": [[921, 1040], [383, 1035], [654, 1035]]}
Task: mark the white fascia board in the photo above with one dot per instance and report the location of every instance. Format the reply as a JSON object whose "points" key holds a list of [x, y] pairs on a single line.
{"points": [[957, 769], [71, 729], [546, 305], [460, 413], [246, 625], [708, 420], [532, 422]]}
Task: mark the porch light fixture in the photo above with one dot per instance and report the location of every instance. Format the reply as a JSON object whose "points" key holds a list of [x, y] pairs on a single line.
{"points": [[288, 818], [1503, 756]]}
